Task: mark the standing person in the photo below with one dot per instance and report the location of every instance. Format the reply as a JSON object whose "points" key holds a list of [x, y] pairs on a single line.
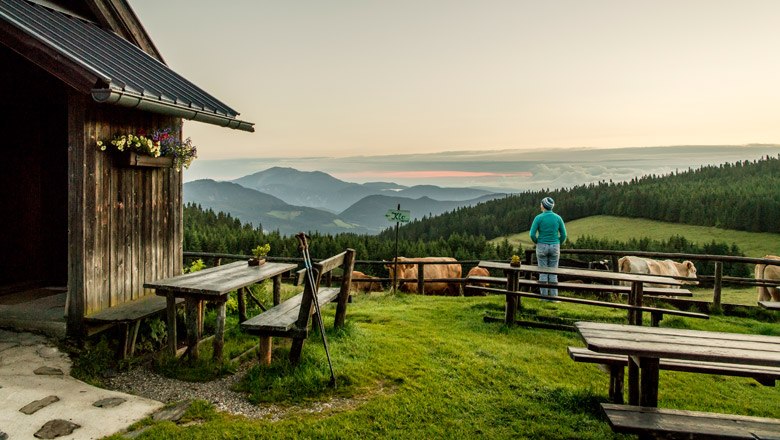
{"points": [[548, 232]]}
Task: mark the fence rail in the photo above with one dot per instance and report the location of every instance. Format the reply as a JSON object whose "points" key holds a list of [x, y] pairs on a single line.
{"points": [[717, 278]]}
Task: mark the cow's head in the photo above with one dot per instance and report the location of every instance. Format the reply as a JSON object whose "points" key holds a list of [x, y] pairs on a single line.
{"points": [[402, 267], [690, 271]]}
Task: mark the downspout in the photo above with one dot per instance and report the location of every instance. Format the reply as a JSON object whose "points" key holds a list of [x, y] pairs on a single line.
{"points": [[133, 100]]}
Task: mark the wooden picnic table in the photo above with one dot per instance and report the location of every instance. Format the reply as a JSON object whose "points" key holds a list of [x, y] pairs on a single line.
{"points": [[213, 284], [637, 282], [645, 346]]}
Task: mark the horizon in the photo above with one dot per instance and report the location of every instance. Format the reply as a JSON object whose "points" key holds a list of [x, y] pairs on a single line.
{"points": [[340, 79], [499, 171]]}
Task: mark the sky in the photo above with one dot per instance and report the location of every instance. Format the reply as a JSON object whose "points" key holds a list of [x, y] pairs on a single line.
{"points": [[347, 78]]}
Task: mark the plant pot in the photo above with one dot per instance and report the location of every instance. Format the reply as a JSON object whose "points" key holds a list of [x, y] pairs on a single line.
{"points": [[140, 160], [514, 264], [256, 261]]}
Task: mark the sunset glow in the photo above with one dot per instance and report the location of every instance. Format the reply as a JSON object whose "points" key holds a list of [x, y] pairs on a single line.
{"points": [[431, 174]]}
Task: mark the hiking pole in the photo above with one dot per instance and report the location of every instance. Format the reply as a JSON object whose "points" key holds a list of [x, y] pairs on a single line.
{"points": [[304, 246]]}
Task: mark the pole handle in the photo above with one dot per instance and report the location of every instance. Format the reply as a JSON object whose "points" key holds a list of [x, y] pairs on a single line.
{"points": [[302, 242]]}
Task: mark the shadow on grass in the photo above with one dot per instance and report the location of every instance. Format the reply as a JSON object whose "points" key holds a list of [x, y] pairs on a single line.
{"points": [[570, 401]]}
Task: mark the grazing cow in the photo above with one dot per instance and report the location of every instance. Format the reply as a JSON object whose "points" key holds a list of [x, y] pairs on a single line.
{"points": [[631, 264], [476, 271], [368, 285], [768, 272], [577, 264], [430, 272]]}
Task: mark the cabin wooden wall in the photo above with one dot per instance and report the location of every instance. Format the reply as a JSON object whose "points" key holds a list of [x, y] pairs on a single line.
{"points": [[125, 222]]}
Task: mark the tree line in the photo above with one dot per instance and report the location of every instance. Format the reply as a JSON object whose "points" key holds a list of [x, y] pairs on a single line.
{"points": [[742, 195]]}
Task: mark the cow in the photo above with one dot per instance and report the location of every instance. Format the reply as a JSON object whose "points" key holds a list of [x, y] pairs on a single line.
{"points": [[631, 264], [768, 272], [367, 285], [476, 271], [430, 272]]}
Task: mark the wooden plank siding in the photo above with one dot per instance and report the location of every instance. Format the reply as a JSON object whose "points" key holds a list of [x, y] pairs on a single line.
{"points": [[125, 225]]}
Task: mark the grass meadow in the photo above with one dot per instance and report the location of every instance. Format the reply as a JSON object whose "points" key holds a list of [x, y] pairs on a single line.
{"points": [[422, 367], [753, 244]]}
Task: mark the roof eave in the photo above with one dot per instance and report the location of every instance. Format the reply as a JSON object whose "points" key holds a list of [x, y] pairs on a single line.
{"points": [[133, 100]]}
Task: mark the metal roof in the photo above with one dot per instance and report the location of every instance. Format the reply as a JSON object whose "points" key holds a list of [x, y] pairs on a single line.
{"points": [[126, 75]]}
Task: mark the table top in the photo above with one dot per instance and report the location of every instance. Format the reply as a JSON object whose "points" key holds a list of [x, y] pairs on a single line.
{"points": [[681, 344], [219, 280], [583, 273]]}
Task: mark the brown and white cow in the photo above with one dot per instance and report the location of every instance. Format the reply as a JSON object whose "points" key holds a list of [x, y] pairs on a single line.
{"points": [[369, 285], [430, 272], [648, 266], [768, 272], [476, 271]]}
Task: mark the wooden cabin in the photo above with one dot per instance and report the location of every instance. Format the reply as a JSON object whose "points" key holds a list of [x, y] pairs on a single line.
{"points": [[73, 217]]}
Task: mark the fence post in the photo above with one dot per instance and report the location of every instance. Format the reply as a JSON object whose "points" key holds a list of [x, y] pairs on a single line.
{"points": [[716, 289], [528, 257], [421, 278], [614, 259]]}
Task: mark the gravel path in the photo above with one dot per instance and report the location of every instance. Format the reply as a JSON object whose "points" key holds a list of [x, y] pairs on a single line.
{"points": [[143, 382]]}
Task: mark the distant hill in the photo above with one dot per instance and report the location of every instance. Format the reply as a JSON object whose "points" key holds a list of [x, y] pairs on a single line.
{"points": [[753, 244], [370, 211], [272, 213], [742, 195], [320, 190]]}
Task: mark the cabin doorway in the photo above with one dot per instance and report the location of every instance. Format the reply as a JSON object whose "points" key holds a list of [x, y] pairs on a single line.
{"points": [[33, 185]]}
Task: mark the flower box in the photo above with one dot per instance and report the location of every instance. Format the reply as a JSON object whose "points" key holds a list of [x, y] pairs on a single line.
{"points": [[142, 160]]}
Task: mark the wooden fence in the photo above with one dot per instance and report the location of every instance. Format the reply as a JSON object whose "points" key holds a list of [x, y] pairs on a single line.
{"points": [[717, 278]]}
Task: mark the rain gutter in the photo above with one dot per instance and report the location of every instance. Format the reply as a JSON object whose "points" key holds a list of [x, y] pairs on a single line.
{"points": [[134, 100]]}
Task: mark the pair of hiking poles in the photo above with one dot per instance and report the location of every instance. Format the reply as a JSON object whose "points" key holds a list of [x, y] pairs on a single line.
{"points": [[304, 248]]}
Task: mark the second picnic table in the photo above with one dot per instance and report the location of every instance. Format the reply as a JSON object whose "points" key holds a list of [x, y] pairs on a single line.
{"points": [[645, 346], [637, 282], [212, 284]]}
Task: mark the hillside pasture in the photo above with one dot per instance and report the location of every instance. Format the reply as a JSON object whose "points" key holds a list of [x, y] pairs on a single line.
{"points": [[411, 366], [753, 244]]}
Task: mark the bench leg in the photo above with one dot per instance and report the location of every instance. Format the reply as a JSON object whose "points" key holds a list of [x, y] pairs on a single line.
{"points": [[295, 350], [265, 349], [170, 312], [136, 326], [656, 318], [648, 395], [616, 375], [125, 339], [219, 332], [192, 327]]}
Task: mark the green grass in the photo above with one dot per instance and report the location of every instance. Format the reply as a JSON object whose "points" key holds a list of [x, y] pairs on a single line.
{"points": [[429, 367], [753, 244]]}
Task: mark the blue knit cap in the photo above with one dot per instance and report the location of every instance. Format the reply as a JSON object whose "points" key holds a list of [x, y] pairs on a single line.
{"points": [[548, 203]]}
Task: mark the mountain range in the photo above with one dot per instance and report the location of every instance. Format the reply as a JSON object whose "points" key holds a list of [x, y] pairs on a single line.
{"points": [[291, 201]]}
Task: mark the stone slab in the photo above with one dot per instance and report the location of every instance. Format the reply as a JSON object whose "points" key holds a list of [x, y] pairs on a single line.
{"points": [[33, 407], [56, 428]]}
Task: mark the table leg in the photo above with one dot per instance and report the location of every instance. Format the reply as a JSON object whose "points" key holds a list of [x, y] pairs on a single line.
{"points": [[648, 392], [241, 304], [192, 327], [633, 380], [219, 332], [265, 350], [635, 299], [170, 312], [277, 289]]}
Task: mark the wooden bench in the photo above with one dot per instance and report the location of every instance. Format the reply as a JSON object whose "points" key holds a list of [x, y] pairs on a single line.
{"points": [[616, 364], [673, 423], [585, 287], [656, 313], [127, 314], [292, 318], [770, 305]]}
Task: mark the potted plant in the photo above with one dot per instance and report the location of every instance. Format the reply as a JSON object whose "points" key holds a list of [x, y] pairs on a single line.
{"points": [[259, 253], [515, 261], [162, 148]]}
